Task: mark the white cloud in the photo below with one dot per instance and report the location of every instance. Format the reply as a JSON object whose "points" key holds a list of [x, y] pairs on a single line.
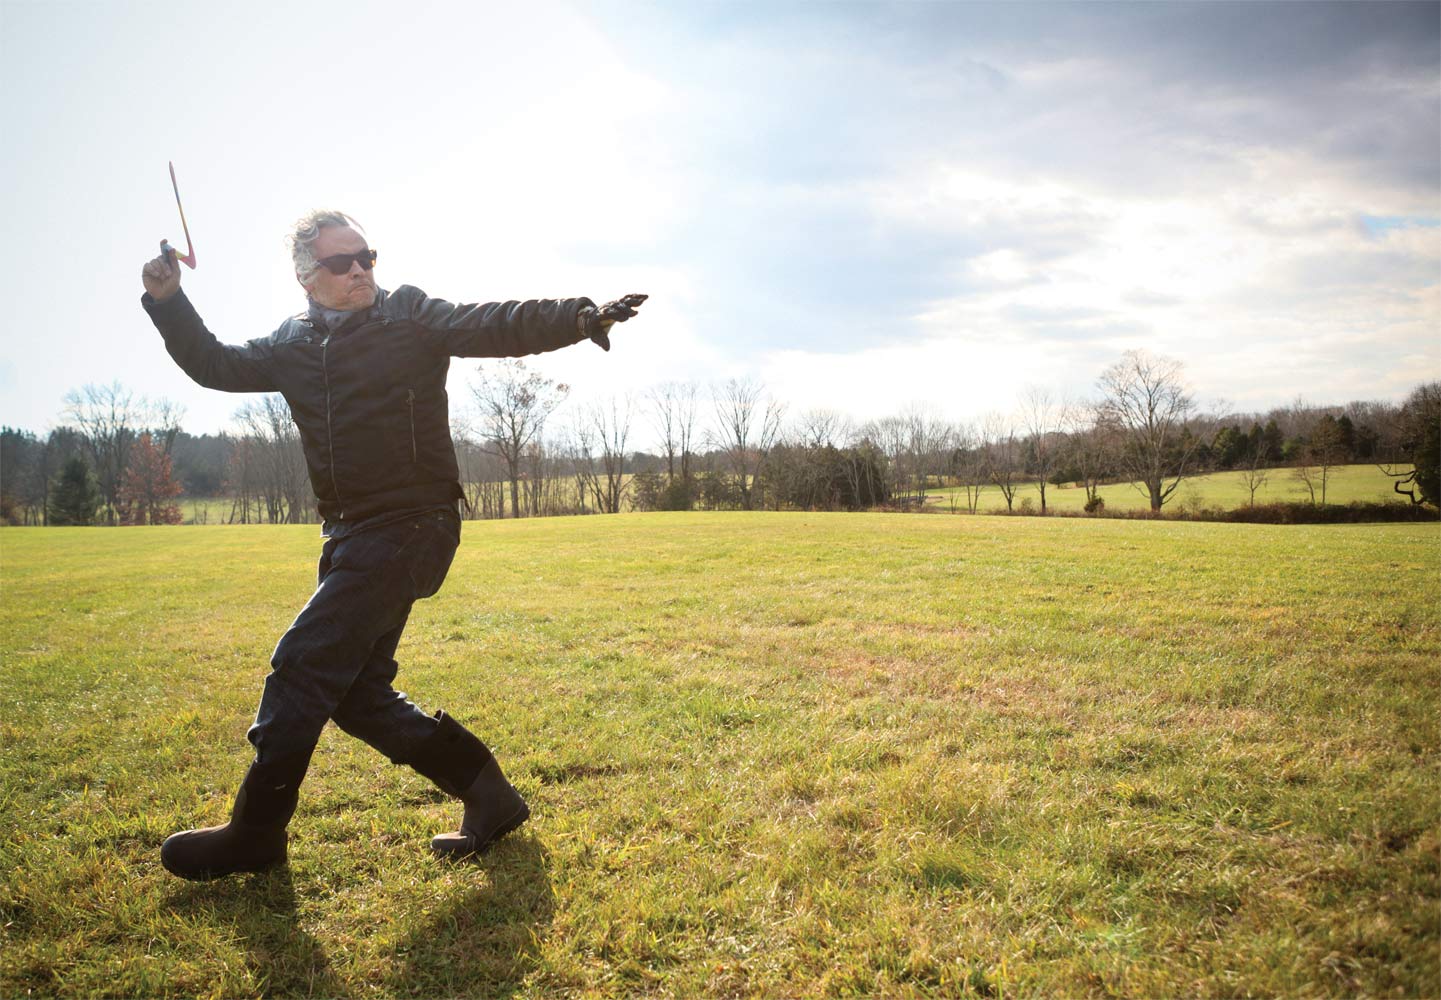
{"points": [[864, 205]]}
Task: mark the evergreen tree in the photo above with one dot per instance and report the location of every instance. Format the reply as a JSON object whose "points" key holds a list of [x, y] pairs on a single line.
{"points": [[1347, 430], [75, 495], [1228, 446], [1255, 442], [1275, 443]]}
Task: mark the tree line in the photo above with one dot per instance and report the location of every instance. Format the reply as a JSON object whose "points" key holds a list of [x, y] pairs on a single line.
{"points": [[122, 459]]}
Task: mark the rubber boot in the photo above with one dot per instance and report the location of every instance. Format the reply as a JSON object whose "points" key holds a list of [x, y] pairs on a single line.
{"points": [[463, 766], [255, 838]]}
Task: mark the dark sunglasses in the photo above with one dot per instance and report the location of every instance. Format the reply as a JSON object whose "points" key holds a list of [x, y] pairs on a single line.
{"points": [[340, 263]]}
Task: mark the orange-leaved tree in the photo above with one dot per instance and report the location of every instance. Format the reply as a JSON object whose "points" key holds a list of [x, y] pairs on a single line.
{"points": [[148, 487]]}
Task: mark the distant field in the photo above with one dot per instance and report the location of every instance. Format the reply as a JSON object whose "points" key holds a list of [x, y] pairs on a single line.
{"points": [[205, 510], [768, 755], [1221, 489], [1226, 490]]}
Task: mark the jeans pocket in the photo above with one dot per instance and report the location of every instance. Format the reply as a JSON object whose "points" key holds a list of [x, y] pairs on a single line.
{"points": [[433, 553]]}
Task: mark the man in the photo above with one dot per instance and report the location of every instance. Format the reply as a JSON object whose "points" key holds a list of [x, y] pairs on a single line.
{"points": [[364, 371]]}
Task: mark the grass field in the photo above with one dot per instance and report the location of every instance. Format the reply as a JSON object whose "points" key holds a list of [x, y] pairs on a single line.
{"points": [[767, 755]]}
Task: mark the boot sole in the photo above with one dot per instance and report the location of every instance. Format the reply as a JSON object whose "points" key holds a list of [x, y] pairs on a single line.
{"points": [[521, 815], [210, 876]]}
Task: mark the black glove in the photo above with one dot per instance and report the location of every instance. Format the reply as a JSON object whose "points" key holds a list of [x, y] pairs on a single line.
{"points": [[596, 323]]}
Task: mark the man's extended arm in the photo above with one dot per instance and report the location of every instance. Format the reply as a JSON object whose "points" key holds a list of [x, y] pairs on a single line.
{"points": [[513, 329], [495, 329], [194, 348]]}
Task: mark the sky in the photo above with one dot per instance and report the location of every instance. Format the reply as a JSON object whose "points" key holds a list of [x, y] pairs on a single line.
{"points": [[868, 207]]}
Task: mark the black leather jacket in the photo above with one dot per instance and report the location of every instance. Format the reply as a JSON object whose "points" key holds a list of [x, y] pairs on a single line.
{"points": [[369, 398]]}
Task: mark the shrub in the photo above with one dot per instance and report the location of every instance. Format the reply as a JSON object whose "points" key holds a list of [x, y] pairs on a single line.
{"points": [[652, 492], [1305, 513], [1279, 513]]}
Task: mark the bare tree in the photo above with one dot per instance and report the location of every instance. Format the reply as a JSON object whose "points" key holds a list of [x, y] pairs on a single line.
{"points": [[163, 419], [891, 435], [862, 462], [686, 425], [580, 450], [482, 473], [109, 418], [748, 422], [276, 462], [822, 428], [1093, 444], [540, 478], [1146, 397], [608, 428], [970, 463], [514, 403], [1323, 451], [1309, 475], [672, 411], [1044, 419], [241, 479], [671, 408], [1255, 472], [1003, 456], [926, 436]]}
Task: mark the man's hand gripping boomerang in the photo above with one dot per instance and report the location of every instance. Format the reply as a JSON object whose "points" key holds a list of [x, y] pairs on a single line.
{"points": [[169, 251]]}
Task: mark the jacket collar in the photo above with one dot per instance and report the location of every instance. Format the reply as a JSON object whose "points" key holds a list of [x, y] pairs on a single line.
{"points": [[340, 320]]}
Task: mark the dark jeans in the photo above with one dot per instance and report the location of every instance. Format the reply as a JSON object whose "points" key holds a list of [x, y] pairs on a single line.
{"points": [[337, 661]]}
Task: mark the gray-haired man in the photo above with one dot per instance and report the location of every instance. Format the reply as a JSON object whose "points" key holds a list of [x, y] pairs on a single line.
{"points": [[364, 372]]}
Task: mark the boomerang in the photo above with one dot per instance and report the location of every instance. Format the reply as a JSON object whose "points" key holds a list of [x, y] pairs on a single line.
{"points": [[188, 259]]}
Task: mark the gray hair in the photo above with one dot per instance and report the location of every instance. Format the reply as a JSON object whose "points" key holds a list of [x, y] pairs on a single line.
{"points": [[307, 230]]}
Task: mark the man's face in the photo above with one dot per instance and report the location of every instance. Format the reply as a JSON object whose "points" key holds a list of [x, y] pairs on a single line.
{"points": [[353, 290]]}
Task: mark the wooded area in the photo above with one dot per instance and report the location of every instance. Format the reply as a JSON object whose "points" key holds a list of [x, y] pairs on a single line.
{"points": [[121, 459]]}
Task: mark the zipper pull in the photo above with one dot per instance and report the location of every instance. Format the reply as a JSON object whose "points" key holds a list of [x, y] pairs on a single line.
{"points": [[410, 402]]}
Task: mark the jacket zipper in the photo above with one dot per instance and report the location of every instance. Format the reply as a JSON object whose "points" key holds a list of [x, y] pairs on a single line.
{"points": [[410, 402], [329, 435]]}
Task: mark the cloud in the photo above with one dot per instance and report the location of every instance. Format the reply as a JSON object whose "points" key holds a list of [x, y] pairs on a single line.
{"points": [[997, 190]]}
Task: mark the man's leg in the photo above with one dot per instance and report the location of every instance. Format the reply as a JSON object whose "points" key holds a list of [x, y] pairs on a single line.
{"points": [[463, 766], [373, 711], [367, 583], [438, 747]]}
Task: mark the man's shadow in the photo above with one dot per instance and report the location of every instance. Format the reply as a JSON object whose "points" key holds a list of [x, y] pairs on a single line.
{"points": [[284, 959], [485, 940], [482, 942]]}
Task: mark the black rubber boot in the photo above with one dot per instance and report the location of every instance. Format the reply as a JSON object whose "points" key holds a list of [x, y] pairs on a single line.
{"points": [[464, 767], [255, 837]]}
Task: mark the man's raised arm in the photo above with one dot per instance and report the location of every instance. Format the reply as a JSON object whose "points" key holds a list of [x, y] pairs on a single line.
{"points": [[194, 348]]}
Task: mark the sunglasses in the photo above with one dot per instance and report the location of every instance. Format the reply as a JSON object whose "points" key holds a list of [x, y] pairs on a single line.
{"points": [[340, 263]]}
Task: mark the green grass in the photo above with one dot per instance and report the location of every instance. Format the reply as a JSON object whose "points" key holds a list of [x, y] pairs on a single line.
{"points": [[1226, 490], [798, 755]]}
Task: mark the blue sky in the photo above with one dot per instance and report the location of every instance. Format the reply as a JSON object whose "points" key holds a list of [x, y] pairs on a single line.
{"points": [[866, 206]]}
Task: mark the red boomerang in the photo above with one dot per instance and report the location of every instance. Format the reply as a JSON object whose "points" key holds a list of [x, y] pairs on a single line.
{"points": [[189, 256]]}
